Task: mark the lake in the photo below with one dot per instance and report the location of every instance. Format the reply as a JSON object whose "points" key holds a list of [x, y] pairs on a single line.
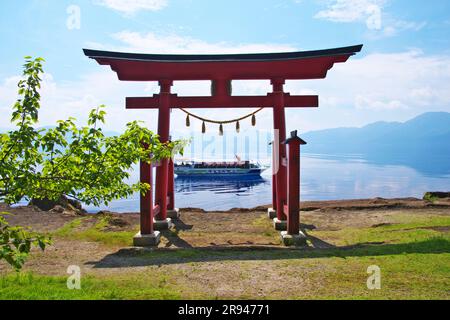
{"points": [[323, 177]]}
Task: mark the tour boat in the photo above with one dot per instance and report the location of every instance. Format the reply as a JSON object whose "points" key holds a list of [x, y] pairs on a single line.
{"points": [[215, 168]]}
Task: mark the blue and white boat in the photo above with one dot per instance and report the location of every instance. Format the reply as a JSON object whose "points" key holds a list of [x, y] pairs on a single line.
{"points": [[214, 168]]}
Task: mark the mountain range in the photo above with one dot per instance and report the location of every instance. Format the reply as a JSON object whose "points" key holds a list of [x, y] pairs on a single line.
{"points": [[428, 132], [422, 143]]}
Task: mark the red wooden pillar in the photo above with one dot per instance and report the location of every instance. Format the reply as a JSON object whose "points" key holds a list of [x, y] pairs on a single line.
{"points": [[221, 87], [146, 199], [162, 171], [292, 209], [171, 186], [274, 176], [280, 125], [274, 192]]}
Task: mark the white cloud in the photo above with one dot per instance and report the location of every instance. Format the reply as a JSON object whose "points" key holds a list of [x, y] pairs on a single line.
{"points": [[364, 102], [378, 86], [371, 13], [173, 43], [77, 98], [368, 11], [424, 95], [401, 25], [132, 6]]}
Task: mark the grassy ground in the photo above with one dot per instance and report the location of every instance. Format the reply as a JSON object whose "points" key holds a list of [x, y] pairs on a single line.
{"points": [[213, 261], [37, 287]]}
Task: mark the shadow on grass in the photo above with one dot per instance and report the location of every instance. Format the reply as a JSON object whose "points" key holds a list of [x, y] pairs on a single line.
{"points": [[181, 226], [174, 240], [138, 257], [172, 235]]}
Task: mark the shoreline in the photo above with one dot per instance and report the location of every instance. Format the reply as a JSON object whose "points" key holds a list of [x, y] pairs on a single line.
{"points": [[346, 204], [376, 203]]}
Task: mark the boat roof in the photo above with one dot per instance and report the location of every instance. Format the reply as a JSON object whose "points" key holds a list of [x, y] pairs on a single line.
{"points": [[210, 160]]}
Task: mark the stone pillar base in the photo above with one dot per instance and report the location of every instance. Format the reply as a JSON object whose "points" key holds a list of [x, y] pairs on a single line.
{"points": [[173, 214], [280, 225], [293, 239], [147, 240], [271, 213], [162, 224]]}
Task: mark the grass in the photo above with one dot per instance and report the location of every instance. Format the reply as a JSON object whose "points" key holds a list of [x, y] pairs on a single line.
{"points": [[266, 228], [430, 198], [37, 287], [402, 229], [77, 230], [412, 250]]}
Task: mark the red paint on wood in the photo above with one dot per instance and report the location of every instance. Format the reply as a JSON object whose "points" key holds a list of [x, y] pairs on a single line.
{"points": [[162, 172], [293, 215], [170, 189], [274, 192], [156, 210], [309, 68], [293, 177], [146, 200], [221, 87], [280, 125], [224, 101], [274, 176]]}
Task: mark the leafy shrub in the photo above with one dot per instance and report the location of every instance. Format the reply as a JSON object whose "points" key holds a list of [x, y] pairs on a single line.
{"points": [[16, 243]]}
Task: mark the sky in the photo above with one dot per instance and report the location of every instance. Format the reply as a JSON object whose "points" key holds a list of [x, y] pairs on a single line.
{"points": [[403, 70]]}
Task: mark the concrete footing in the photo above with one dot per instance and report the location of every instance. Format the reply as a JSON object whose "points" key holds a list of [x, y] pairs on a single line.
{"points": [[162, 224], [147, 240], [293, 239], [280, 225], [271, 213], [173, 214]]}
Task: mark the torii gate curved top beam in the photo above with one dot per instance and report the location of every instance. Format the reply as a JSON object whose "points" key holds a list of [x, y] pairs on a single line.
{"points": [[221, 70], [288, 66]]}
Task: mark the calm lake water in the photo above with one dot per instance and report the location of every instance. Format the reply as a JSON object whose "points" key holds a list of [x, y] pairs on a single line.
{"points": [[323, 177]]}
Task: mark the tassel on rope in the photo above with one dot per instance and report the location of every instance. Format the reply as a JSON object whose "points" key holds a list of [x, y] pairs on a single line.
{"points": [[253, 120], [188, 121], [221, 123]]}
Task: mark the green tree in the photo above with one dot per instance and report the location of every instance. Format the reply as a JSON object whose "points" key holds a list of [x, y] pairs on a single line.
{"points": [[79, 163]]}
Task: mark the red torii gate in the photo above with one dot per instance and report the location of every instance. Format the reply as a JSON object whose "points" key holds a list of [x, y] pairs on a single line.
{"points": [[220, 70]]}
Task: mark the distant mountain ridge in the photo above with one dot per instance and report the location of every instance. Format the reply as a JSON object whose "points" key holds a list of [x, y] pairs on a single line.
{"points": [[426, 132]]}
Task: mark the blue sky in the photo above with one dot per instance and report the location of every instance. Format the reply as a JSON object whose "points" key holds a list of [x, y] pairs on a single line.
{"points": [[404, 69]]}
